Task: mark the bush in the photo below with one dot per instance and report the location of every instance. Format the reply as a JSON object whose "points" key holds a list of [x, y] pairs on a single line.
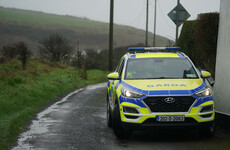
{"points": [[96, 59], [198, 40], [205, 36], [55, 48], [23, 53], [186, 40], [17, 50], [7, 52]]}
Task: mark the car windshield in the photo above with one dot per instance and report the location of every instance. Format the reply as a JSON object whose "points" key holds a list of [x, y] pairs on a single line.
{"points": [[160, 68]]}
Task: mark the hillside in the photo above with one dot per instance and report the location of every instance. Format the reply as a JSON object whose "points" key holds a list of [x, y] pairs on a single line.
{"points": [[32, 27]]}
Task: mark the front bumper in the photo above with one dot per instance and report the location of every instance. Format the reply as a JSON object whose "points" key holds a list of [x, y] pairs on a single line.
{"points": [[152, 124], [145, 119]]}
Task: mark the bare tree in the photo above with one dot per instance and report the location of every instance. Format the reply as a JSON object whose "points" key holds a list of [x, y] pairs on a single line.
{"points": [[23, 53], [7, 52], [55, 48], [17, 50]]}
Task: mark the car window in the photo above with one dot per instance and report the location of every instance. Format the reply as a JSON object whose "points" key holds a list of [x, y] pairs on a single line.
{"points": [[119, 64], [160, 68], [121, 68]]}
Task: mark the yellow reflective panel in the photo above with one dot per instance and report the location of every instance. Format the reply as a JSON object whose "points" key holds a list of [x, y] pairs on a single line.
{"points": [[129, 104], [205, 74], [166, 84], [156, 55], [208, 103], [113, 76], [194, 110]]}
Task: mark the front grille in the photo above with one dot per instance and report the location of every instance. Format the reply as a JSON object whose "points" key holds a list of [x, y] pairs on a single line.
{"points": [[158, 104]]}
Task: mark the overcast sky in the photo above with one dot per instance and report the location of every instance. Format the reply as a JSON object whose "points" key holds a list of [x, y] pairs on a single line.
{"points": [[127, 12]]}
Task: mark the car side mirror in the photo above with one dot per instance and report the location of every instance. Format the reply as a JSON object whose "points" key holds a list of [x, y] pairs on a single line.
{"points": [[211, 81], [113, 76], [205, 74]]}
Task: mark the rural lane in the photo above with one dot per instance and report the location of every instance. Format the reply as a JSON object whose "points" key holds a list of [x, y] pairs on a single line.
{"points": [[78, 121]]}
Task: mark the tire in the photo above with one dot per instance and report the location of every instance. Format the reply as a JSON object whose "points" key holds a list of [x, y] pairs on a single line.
{"points": [[108, 115], [208, 131], [119, 131]]}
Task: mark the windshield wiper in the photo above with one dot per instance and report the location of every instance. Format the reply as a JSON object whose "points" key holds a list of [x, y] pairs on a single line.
{"points": [[191, 78]]}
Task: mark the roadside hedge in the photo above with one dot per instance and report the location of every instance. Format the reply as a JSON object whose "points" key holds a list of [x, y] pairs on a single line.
{"points": [[198, 40]]}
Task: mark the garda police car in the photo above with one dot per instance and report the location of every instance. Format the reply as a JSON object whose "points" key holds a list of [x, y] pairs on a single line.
{"points": [[156, 87]]}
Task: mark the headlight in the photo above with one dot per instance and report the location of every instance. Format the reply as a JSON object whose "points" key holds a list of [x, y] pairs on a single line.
{"points": [[203, 93], [130, 93]]}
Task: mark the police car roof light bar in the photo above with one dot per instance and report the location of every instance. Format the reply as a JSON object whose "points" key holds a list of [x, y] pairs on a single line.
{"points": [[152, 48]]}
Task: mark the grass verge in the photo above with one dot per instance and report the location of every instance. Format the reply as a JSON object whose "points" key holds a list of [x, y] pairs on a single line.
{"points": [[24, 92]]}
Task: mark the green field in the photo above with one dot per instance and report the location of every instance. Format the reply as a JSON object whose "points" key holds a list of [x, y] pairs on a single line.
{"points": [[24, 92], [31, 27]]}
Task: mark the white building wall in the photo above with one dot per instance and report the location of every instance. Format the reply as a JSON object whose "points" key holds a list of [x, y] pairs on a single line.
{"points": [[222, 78]]}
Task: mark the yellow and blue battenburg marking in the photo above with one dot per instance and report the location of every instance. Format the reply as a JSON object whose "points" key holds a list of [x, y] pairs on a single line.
{"points": [[186, 87]]}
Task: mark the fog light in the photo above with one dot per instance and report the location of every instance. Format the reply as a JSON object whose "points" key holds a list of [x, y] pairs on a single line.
{"points": [[131, 117], [206, 109], [130, 110]]}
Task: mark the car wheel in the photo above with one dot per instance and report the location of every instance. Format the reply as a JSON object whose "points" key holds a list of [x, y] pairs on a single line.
{"points": [[208, 131], [108, 115], [117, 127], [119, 131]]}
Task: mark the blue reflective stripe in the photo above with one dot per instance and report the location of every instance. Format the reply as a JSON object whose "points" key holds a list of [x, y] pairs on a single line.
{"points": [[151, 93], [172, 48], [110, 93], [202, 100], [109, 88], [108, 85], [132, 100], [133, 56], [145, 92], [136, 49], [118, 83], [128, 85], [179, 92]]}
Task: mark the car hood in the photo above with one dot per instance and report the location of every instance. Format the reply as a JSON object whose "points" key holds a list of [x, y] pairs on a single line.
{"points": [[188, 85]]}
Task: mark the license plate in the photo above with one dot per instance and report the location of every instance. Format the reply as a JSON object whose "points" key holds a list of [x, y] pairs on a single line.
{"points": [[170, 118]]}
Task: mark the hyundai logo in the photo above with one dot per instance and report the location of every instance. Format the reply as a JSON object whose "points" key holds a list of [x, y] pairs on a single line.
{"points": [[169, 100]]}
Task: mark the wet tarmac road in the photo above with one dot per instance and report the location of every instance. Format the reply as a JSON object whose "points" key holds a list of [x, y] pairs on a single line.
{"points": [[78, 121]]}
